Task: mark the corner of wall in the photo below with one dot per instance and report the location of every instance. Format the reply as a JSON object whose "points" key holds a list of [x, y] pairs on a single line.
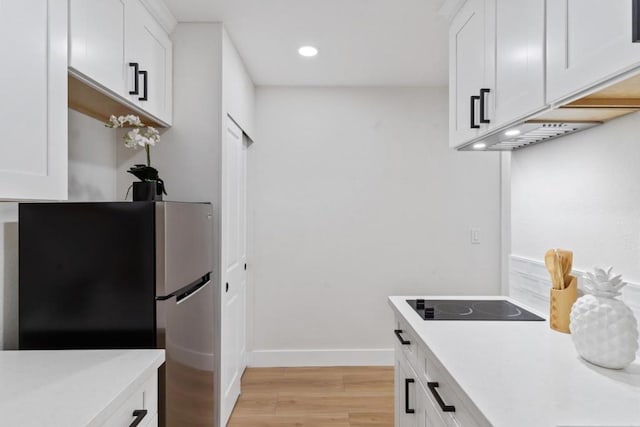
{"points": [[505, 220]]}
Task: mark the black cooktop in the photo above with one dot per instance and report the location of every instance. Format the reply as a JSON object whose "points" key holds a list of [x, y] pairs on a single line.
{"points": [[470, 310]]}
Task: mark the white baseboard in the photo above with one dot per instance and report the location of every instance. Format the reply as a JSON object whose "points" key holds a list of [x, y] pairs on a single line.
{"points": [[300, 358]]}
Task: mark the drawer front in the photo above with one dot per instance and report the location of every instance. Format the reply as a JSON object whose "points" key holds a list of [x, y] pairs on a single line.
{"points": [[144, 398], [406, 342], [433, 414], [430, 372]]}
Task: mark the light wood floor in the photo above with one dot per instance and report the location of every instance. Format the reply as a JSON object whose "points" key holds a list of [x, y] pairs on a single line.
{"points": [[315, 397]]}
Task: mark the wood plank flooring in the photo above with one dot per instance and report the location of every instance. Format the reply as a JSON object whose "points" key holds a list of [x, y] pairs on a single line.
{"points": [[315, 397]]}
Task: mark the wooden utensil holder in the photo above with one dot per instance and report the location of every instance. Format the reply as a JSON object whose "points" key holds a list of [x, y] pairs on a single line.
{"points": [[560, 305]]}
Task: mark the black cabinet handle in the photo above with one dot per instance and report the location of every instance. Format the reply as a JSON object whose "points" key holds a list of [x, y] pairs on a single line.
{"points": [[483, 98], [145, 81], [139, 414], [136, 88], [398, 333], [408, 410], [226, 287], [635, 21], [436, 395], [473, 125]]}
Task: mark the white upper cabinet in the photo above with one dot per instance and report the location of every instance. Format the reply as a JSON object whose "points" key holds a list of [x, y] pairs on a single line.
{"points": [[520, 65], [96, 41], [33, 90], [471, 72], [588, 42], [118, 47], [148, 46]]}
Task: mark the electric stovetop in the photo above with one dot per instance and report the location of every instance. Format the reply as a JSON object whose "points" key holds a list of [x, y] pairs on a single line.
{"points": [[470, 310]]}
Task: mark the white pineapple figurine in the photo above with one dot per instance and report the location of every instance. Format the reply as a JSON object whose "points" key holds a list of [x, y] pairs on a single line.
{"points": [[603, 328]]}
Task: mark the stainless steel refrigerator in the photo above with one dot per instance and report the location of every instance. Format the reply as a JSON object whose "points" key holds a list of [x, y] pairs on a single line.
{"points": [[124, 275]]}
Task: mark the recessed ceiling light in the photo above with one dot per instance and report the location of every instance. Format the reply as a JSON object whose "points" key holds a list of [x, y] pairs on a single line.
{"points": [[512, 132], [479, 146], [308, 51]]}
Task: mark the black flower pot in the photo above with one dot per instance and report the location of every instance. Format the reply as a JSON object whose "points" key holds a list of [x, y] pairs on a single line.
{"points": [[146, 191]]}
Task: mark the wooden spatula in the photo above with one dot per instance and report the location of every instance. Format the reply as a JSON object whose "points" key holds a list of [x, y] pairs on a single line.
{"points": [[566, 259]]}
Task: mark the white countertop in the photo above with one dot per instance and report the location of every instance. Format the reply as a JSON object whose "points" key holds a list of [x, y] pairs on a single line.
{"points": [[69, 388], [524, 374]]}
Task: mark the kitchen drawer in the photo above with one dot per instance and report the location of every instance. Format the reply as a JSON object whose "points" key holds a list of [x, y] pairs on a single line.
{"points": [[406, 342], [144, 397], [429, 371]]}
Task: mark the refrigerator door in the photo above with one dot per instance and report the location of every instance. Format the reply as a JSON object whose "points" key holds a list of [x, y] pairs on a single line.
{"points": [[184, 245], [185, 330], [86, 276]]}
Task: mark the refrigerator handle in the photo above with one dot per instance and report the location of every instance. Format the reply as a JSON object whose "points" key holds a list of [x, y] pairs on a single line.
{"points": [[186, 292], [191, 292]]}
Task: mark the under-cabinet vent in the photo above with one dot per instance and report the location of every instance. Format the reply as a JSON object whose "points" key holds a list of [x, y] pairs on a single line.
{"points": [[527, 134]]}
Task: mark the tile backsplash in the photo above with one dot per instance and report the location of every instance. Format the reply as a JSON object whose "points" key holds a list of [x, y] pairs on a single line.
{"points": [[529, 283]]}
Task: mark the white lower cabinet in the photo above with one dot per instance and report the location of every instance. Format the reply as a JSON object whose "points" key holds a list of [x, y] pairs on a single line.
{"points": [[141, 405], [425, 394], [405, 393]]}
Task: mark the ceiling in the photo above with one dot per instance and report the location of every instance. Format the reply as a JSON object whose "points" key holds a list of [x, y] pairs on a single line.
{"points": [[361, 42]]}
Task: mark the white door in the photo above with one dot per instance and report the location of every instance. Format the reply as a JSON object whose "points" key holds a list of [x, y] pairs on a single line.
{"points": [[233, 261], [470, 43], [96, 41], [520, 66], [588, 41], [33, 99]]}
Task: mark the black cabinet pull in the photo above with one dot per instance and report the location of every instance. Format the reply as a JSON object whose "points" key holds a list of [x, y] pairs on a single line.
{"points": [[398, 333], [635, 21], [407, 409], [145, 82], [226, 287], [483, 98], [436, 395], [136, 87], [139, 414], [473, 125]]}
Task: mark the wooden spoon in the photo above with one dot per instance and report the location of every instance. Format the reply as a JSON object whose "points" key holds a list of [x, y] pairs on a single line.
{"points": [[550, 262], [558, 270]]}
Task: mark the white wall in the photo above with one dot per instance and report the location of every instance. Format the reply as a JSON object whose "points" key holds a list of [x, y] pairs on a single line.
{"points": [[92, 177], [580, 192], [187, 155], [238, 89], [92, 160], [355, 196]]}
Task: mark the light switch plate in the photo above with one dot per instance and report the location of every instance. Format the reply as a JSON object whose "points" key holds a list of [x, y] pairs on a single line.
{"points": [[475, 236]]}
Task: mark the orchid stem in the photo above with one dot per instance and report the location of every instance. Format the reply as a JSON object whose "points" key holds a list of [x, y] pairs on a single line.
{"points": [[147, 148]]}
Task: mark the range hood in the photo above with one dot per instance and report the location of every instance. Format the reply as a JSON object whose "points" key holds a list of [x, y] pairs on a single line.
{"points": [[613, 101]]}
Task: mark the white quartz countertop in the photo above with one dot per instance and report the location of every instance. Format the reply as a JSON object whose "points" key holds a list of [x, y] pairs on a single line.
{"points": [[69, 388], [524, 374]]}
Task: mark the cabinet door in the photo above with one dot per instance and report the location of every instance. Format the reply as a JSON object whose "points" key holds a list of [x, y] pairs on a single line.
{"points": [[406, 383], [470, 41], [520, 67], [33, 90], [96, 42], [588, 41], [148, 45]]}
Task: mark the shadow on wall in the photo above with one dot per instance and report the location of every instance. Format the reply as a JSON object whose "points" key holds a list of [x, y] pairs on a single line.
{"points": [[85, 191], [10, 290]]}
